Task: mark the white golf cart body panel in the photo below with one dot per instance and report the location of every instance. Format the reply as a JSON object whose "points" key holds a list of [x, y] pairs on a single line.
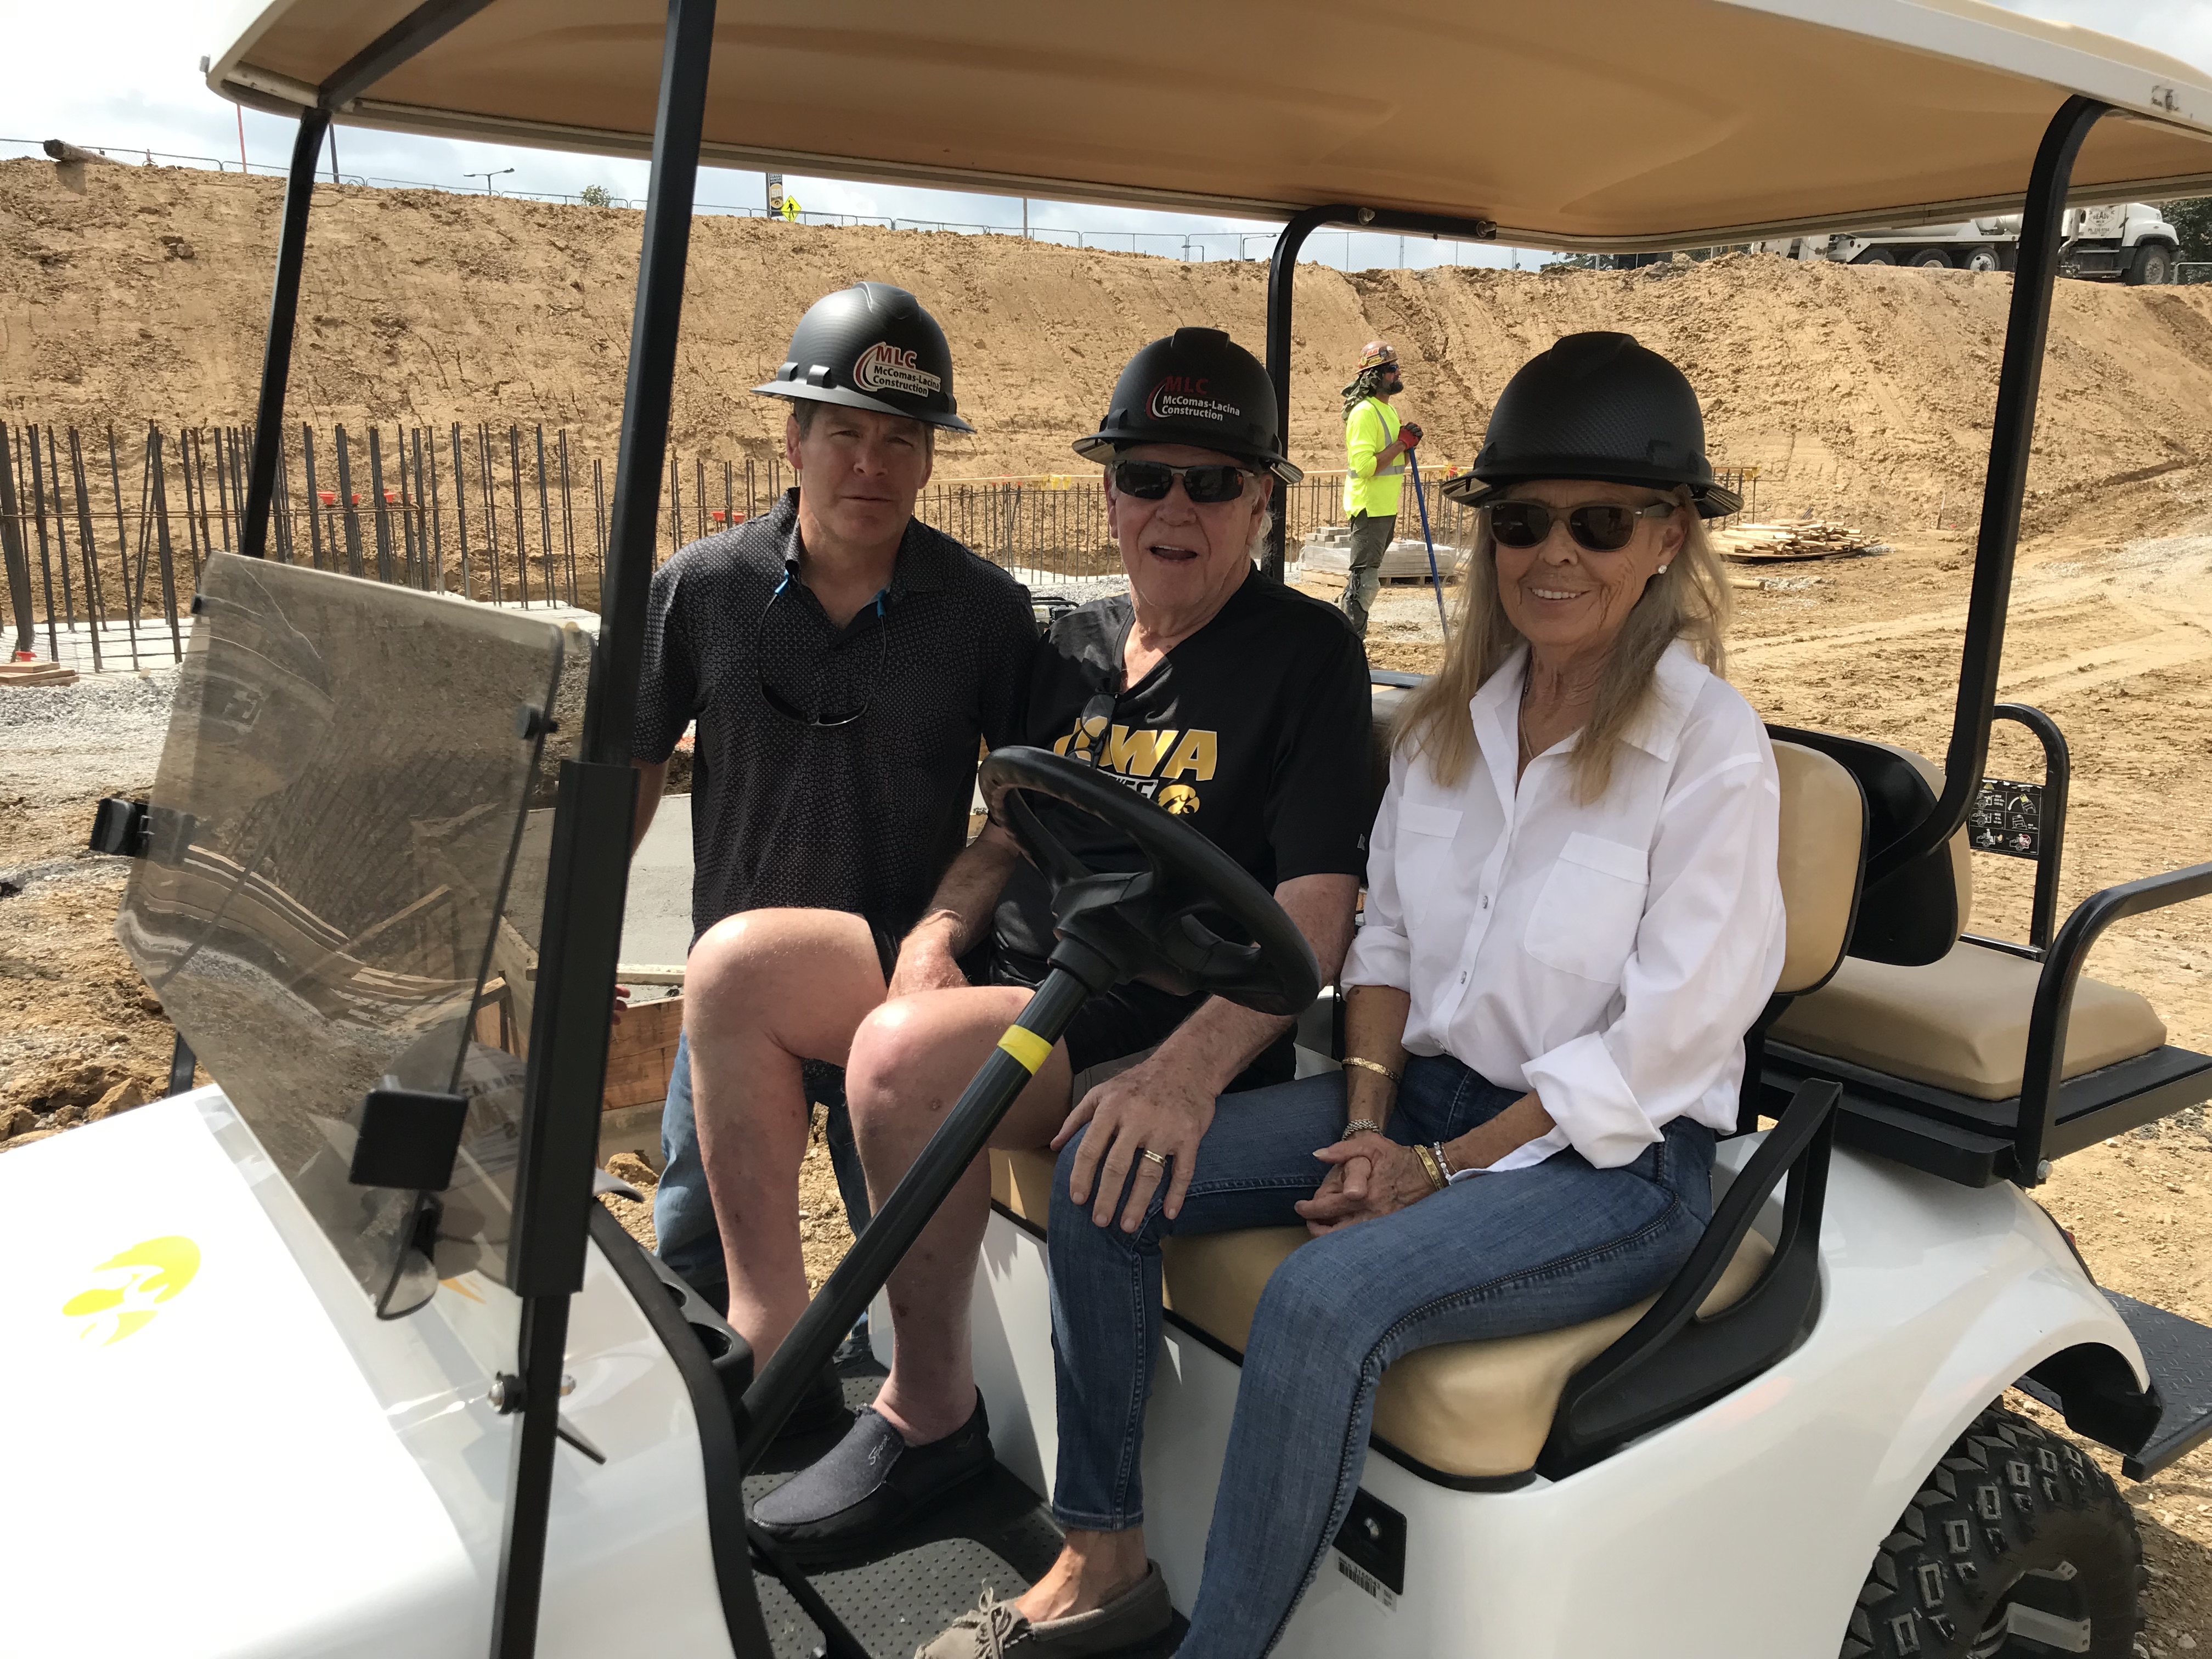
{"points": [[264, 1467], [1761, 1511], [1695, 122]]}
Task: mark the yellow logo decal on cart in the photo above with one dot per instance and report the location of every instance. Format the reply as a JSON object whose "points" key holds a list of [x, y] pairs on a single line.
{"points": [[128, 1290]]}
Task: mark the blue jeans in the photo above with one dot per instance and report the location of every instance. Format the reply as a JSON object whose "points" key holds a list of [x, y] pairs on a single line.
{"points": [[684, 1213], [1499, 1255]]}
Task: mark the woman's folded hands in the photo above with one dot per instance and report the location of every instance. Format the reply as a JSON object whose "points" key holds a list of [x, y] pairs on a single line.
{"points": [[1371, 1176]]}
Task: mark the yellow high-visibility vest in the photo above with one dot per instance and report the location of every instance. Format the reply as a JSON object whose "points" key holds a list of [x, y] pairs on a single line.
{"points": [[1371, 427]]}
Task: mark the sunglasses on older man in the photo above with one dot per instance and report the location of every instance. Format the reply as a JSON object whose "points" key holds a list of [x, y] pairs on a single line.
{"points": [[1597, 527], [1151, 481]]}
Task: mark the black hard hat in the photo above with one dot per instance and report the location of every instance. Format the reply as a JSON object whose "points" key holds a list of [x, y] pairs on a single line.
{"points": [[1596, 406], [1197, 387], [871, 346]]}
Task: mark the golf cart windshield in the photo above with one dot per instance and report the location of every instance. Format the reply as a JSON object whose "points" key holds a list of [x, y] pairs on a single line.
{"points": [[325, 864]]}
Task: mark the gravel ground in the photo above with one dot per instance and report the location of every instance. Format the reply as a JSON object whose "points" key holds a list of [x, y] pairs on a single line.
{"points": [[79, 742]]}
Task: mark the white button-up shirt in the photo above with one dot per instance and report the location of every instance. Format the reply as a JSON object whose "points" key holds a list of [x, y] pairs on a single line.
{"points": [[1608, 957]]}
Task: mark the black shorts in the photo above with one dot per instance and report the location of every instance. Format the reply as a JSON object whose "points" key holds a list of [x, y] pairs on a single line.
{"points": [[1134, 1018]]}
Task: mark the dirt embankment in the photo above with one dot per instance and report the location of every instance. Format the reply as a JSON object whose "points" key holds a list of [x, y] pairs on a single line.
{"points": [[135, 292]]}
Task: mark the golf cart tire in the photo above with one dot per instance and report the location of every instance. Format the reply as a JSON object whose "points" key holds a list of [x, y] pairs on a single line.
{"points": [[2010, 1499], [2152, 267]]}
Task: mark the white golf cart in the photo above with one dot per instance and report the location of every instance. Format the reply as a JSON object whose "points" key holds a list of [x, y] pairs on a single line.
{"points": [[339, 1355]]}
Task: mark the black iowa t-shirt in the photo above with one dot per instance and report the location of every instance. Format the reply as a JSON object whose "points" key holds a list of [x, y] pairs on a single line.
{"points": [[1253, 730]]}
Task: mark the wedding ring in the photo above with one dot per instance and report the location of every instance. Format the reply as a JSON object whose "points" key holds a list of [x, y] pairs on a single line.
{"points": [[1160, 1158]]}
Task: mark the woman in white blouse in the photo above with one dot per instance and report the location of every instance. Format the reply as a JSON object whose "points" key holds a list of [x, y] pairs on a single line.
{"points": [[1572, 917]]}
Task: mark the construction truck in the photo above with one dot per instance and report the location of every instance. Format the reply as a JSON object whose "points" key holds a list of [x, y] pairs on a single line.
{"points": [[2128, 242]]}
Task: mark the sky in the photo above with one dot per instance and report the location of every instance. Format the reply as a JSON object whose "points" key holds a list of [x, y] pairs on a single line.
{"points": [[132, 83]]}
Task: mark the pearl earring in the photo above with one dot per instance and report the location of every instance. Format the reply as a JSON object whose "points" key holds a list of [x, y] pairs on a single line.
{"points": [[1662, 570]]}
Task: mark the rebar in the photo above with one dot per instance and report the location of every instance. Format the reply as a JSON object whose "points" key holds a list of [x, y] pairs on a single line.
{"points": [[378, 505], [87, 549], [164, 551], [491, 510], [461, 514], [544, 515], [567, 520], [349, 503], [521, 546], [314, 500]]}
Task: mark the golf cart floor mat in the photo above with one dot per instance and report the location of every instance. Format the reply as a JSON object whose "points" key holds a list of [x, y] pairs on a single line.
{"points": [[995, 1535], [2178, 1353]]}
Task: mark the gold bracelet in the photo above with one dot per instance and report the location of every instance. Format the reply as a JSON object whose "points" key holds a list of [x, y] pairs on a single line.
{"points": [[1359, 1125], [1374, 1065], [1437, 1181]]}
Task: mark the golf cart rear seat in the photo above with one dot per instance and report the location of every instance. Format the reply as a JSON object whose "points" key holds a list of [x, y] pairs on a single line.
{"points": [[1932, 1033], [1481, 1413]]}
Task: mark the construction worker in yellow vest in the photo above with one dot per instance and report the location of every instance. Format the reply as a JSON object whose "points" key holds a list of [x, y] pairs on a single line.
{"points": [[1376, 445]]}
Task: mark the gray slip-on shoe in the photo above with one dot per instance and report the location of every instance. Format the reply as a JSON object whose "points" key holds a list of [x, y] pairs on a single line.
{"points": [[867, 1487], [995, 1630]]}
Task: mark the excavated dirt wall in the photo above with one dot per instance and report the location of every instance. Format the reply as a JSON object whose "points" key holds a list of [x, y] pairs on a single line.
{"points": [[131, 292]]}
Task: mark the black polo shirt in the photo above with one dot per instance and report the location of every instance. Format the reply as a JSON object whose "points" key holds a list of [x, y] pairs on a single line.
{"points": [[861, 816]]}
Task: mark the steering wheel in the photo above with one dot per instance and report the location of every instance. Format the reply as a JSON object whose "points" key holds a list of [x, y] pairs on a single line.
{"points": [[1146, 923]]}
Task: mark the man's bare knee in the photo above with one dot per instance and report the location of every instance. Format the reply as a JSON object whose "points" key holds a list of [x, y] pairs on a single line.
{"points": [[898, 1052]]}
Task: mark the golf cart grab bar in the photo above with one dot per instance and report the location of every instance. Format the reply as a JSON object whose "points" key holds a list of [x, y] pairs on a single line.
{"points": [[2050, 831], [1672, 1360], [2012, 431], [2054, 1000]]}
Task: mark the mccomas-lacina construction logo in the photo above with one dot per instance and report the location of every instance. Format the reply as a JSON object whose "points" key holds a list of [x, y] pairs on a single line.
{"points": [[885, 367], [1183, 398]]}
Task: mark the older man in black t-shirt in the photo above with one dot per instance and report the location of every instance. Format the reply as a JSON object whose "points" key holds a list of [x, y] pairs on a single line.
{"points": [[1223, 697], [843, 662]]}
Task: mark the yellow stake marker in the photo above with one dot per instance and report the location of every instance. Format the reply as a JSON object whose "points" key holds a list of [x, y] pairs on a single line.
{"points": [[1026, 1045]]}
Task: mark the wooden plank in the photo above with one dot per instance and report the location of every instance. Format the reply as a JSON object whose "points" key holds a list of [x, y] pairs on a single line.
{"points": [[642, 1054]]}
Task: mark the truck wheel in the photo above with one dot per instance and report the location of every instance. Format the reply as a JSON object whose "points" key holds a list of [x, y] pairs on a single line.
{"points": [[2152, 267], [1931, 259], [1876, 256], [1982, 258], [2017, 1544]]}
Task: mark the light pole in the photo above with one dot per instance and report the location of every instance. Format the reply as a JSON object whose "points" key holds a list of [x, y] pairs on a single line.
{"points": [[488, 178]]}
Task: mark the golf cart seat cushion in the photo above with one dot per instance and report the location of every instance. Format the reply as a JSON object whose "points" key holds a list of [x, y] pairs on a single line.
{"points": [[1462, 1408], [1823, 829], [1961, 1024]]}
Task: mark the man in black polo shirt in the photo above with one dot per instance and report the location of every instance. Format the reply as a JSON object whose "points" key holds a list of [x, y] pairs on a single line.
{"points": [[1224, 698], [843, 662]]}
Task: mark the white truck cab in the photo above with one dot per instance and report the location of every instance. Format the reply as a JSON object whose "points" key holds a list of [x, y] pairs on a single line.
{"points": [[2129, 242]]}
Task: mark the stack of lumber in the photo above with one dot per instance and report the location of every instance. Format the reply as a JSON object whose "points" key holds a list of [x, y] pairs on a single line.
{"points": [[1804, 538], [36, 673]]}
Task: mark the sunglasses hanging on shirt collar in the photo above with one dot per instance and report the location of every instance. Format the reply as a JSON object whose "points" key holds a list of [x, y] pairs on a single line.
{"points": [[818, 718]]}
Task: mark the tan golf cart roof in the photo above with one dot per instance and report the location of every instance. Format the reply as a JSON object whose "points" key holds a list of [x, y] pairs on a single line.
{"points": [[1569, 123]]}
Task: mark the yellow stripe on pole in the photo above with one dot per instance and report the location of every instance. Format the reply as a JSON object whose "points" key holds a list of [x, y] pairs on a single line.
{"points": [[1025, 1046]]}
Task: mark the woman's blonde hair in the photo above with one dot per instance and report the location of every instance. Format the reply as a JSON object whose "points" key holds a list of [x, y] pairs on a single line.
{"points": [[1690, 601]]}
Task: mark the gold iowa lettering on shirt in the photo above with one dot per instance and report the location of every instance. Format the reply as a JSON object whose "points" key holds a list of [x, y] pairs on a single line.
{"points": [[1143, 753]]}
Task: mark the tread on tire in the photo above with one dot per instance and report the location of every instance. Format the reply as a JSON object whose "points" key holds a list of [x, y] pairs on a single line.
{"points": [[2013, 1515]]}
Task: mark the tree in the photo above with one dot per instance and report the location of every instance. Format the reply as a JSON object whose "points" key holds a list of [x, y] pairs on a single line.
{"points": [[596, 196], [2193, 219]]}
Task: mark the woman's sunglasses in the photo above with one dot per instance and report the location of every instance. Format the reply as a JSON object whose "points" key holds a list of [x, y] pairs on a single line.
{"points": [[1149, 480], [1599, 527]]}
